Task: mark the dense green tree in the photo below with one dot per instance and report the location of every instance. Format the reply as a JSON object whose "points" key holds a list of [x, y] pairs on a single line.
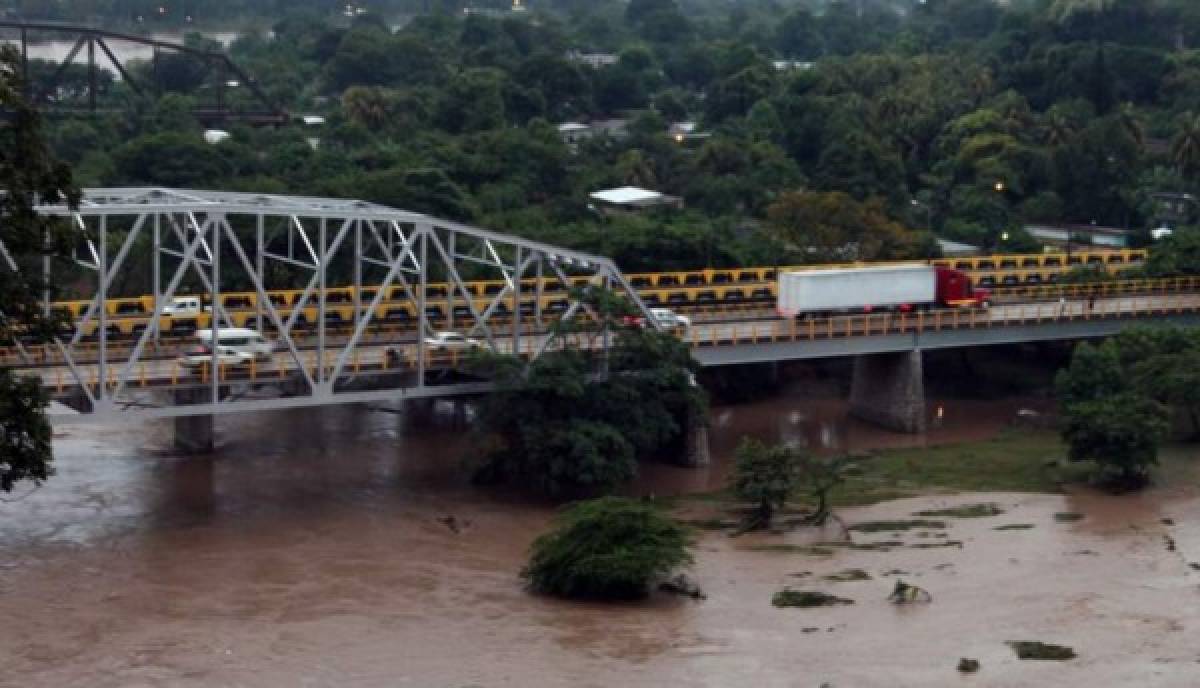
{"points": [[832, 226], [608, 548], [561, 427], [1120, 433], [29, 175]]}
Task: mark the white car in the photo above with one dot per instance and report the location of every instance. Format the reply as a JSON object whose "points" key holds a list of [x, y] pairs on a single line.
{"points": [[451, 341], [183, 305], [202, 355], [669, 319]]}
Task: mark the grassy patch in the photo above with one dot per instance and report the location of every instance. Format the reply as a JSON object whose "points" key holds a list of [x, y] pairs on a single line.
{"points": [[848, 576], [1032, 649], [964, 511], [807, 598], [894, 526], [1010, 462], [1014, 526]]}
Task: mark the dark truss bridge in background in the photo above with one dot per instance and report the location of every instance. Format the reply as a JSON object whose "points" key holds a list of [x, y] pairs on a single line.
{"points": [[95, 44]]}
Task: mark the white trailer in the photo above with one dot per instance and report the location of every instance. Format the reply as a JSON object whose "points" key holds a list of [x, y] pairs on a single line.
{"points": [[855, 288]]}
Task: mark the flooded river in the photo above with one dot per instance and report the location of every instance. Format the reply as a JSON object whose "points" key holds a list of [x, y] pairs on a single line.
{"points": [[310, 550]]}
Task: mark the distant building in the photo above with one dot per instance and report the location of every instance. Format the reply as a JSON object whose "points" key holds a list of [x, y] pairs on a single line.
{"points": [[1061, 235], [686, 131], [593, 60], [957, 249], [573, 132], [789, 65], [632, 199]]}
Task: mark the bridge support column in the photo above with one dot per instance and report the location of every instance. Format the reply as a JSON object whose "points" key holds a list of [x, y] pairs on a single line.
{"points": [[889, 390], [696, 453], [193, 434]]}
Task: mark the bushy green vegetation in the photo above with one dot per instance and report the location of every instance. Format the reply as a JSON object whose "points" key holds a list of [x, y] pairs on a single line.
{"points": [[1115, 398], [607, 548], [884, 118], [566, 424]]}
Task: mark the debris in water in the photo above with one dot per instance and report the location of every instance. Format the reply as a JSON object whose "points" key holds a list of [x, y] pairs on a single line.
{"points": [[1014, 526], [848, 576], [456, 526], [1032, 649], [942, 567], [1086, 552], [892, 526], [806, 598], [933, 545], [811, 550], [895, 572], [904, 593], [965, 511], [1068, 516], [1167, 521], [1169, 542], [801, 574], [682, 585], [968, 666], [809, 629]]}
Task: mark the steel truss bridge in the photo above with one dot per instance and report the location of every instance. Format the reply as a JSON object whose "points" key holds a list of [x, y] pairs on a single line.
{"points": [[264, 243], [356, 262], [96, 47]]}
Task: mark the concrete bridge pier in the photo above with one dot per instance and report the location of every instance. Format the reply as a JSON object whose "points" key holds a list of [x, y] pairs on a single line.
{"points": [[696, 452], [193, 434], [889, 390]]}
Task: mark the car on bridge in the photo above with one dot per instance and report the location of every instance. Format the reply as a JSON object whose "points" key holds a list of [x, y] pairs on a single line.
{"points": [[201, 355], [451, 341], [665, 318]]}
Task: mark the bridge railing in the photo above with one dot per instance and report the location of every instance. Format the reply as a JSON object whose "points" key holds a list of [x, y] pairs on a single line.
{"points": [[883, 324]]}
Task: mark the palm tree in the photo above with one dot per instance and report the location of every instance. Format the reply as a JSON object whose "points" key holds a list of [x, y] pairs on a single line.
{"points": [[1185, 147], [1058, 129], [1131, 123]]}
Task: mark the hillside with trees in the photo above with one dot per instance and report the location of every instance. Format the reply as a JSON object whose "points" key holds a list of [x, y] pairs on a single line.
{"points": [[890, 121]]}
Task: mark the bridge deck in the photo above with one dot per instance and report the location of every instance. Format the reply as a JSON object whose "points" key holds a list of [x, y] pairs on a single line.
{"points": [[715, 343]]}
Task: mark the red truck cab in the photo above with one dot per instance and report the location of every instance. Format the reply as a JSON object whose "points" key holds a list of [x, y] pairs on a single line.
{"points": [[954, 290]]}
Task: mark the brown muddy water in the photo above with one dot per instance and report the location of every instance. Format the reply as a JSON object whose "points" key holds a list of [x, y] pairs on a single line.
{"points": [[311, 551]]}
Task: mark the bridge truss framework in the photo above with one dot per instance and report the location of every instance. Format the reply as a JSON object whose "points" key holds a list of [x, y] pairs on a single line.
{"points": [[263, 243]]}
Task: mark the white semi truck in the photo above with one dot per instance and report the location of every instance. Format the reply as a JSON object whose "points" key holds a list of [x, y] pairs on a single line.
{"points": [[901, 287]]}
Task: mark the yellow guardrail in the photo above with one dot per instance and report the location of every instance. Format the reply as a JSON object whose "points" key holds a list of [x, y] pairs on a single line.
{"points": [[85, 352]]}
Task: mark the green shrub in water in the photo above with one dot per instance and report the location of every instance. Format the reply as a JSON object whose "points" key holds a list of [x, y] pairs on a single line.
{"points": [[607, 548]]}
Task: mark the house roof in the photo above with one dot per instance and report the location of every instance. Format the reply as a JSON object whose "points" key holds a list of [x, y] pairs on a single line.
{"points": [[625, 195]]}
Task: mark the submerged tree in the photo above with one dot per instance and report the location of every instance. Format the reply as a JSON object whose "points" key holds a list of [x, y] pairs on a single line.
{"points": [[29, 176], [765, 476], [607, 548], [769, 476]]}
